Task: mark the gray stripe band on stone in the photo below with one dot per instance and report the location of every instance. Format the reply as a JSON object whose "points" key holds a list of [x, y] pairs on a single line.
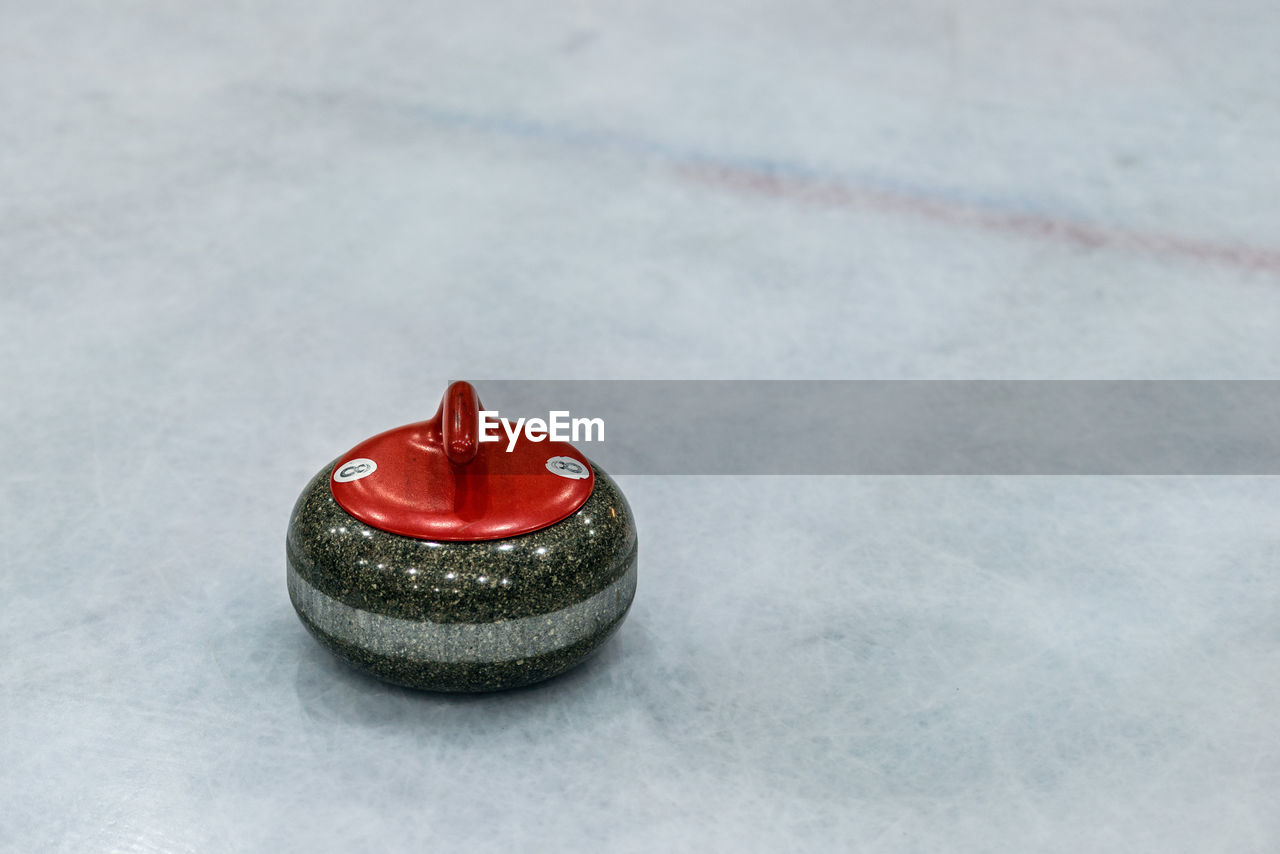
{"points": [[463, 643]]}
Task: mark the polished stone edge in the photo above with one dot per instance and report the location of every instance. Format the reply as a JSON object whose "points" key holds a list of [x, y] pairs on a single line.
{"points": [[464, 643], [346, 570]]}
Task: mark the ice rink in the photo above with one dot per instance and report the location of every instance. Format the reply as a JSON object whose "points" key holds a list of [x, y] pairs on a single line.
{"points": [[235, 241]]}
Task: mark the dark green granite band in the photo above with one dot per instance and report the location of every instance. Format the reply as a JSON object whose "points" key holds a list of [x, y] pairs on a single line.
{"points": [[465, 643], [460, 582]]}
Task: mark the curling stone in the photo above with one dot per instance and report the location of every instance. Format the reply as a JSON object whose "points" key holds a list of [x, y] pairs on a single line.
{"points": [[434, 560]]}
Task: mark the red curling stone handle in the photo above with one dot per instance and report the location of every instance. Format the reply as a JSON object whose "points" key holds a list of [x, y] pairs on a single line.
{"points": [[460, 422]]}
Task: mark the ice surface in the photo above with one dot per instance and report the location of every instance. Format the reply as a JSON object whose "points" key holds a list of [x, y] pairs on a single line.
{"points": [[236, 240]]}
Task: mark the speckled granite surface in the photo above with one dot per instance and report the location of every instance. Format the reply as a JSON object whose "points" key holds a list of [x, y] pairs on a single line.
{"points": [[462, 616]]}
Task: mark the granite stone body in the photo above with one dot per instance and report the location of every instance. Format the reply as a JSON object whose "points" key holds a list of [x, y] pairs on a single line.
{"points": [[462, 616]]}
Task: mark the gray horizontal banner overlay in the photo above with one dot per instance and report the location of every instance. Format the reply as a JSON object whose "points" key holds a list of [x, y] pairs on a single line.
{"points": [[913, 427]]}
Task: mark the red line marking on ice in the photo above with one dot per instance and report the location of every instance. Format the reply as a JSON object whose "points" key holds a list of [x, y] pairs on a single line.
{"points": [[831, 194]]}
